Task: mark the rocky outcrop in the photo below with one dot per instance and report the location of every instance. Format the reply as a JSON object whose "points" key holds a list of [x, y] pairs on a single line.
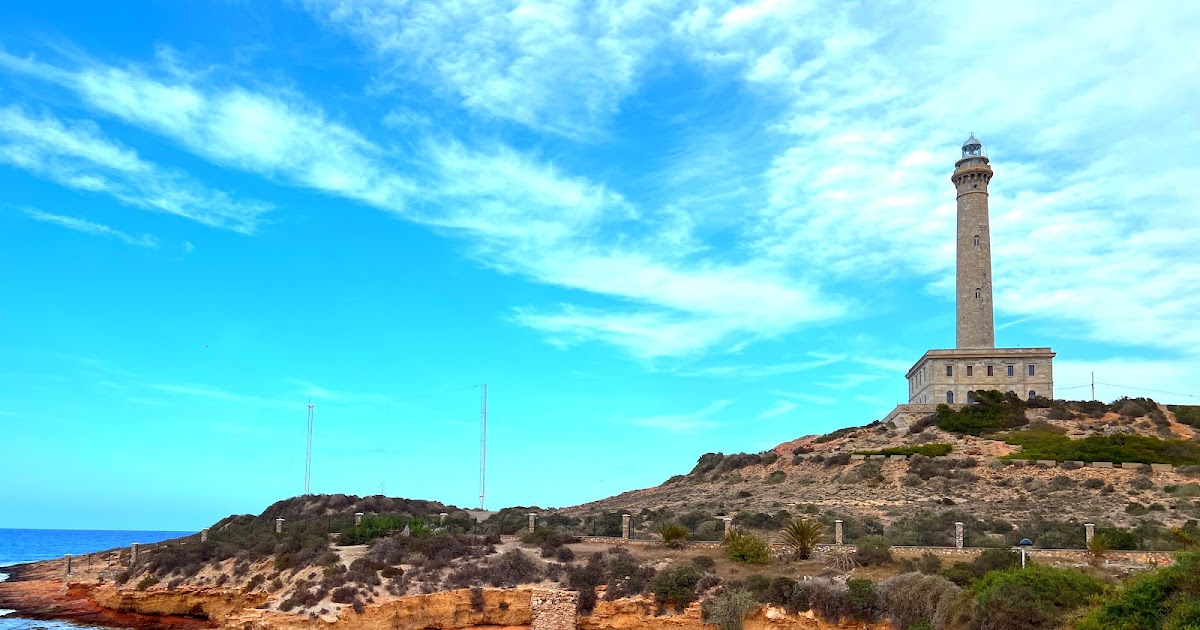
{"points": [[507, 609], [638, 613], [212, 604]]}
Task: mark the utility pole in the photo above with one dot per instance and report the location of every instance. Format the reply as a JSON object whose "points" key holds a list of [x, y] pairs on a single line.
{"points": [[482, 445], [308, 450], [1093, 386]]}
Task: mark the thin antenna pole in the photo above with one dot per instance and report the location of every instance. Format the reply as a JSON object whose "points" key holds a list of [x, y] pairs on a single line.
{"points": [[482, 445], [1093, 386], [308, 450]]}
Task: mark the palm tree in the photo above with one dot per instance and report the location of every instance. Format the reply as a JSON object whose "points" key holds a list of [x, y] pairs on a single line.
{"points": [[801, 536], [673, 534]]}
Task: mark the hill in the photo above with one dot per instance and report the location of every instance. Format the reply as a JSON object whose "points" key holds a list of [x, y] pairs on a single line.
{"points": [[979, 466]]}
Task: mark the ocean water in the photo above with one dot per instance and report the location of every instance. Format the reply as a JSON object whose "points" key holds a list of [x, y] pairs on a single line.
{"points": [[27, 545]]}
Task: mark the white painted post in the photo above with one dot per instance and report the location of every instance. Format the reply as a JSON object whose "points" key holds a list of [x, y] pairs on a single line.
{"points": [[837, 532], [728, 524], [278, 526], [358, 517]]}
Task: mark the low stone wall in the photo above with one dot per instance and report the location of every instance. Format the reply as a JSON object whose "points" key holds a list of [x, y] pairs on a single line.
{"points": [[1045, 463]]}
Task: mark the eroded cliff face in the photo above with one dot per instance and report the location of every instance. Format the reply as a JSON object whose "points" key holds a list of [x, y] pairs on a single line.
{"points": [[638, 612], [213, 604], [502, 609]]}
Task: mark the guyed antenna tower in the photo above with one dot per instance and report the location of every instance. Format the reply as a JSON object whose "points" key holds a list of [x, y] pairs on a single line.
{"points": [[482, 444], [308, 450]]}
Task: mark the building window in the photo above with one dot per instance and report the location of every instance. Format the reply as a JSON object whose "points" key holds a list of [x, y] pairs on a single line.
{"points": [[976, 239], [1032, 394], [950, 397], [970, 370], [990, 371], [1031, 369], [977, 294], [949, 370], [970, 398], [1012, 370]]}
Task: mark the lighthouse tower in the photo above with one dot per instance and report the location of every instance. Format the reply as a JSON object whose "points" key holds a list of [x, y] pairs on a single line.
{"points": [[953, 376], [976, 328]]}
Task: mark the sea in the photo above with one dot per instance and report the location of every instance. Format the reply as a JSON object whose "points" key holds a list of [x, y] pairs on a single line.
{"points": [[27, 545]]}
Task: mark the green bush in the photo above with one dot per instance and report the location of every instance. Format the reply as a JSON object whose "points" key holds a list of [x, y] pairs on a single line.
{"points": [[676, 586], [966, 573], [776, 477], [673, 535], [727, 609], [1034, 598], [745, 547], [873, 550], [928, 450], [801, 537], [862, 599], [1186, 414], [911, 599], [1165, 599], [1103, 448], [992, 411], [372, 527]]}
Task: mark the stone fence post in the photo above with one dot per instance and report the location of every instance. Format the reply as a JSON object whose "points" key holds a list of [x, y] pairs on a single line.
{"points": [[358, 517], [68, 564], [533, 521], [958, 536], [1089, 532], [837, 532], [728, 524], [278, 526], [444, 516], [204, 535], [133, 553], [625, 525]]}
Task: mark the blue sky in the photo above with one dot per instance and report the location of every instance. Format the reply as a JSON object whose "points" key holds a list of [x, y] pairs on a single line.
{"points": [[654, 228]]}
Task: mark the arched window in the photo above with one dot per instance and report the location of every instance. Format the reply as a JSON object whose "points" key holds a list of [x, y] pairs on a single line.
{"points": [[977, 294], [970, 398], [1032, 394], [950, 397], [976, 240]]}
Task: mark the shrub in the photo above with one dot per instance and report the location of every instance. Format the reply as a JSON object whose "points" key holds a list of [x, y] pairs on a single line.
{"points": [[841, 459], [928, 564], [1186, 414], [801, 537], [912, 598], [676, 586], [992, 411], [369, 529], [745, 547], [840, 433], [966, 573], [727, 610], [1036, 597], [585, 579], [1093, 483], [862, 599], [776, 477], [1167, 598], [703, 563], [828, 600], [146, 582], [512, 568], [928, 450], [1103, 448], [873, 550], [673, 535], [787, 593]]}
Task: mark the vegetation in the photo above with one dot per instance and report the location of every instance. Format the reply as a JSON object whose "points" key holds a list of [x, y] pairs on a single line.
{"points": [[373, 527], [912, 599], [1165, 599], [673, 535], [993, 411], [1036, 597], [719, 463], [801, 537], [727, 609], [928, 450], [873, 550], [746, 547], [1120, 448], [676, 586], [1187, 414]]}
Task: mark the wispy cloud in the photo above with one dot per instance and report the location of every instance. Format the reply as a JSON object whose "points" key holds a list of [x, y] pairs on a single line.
{"points": [[224, 395], [88, 227], [686, 422], [760, 370], [812, 398], [78, 155], [781, 407]]}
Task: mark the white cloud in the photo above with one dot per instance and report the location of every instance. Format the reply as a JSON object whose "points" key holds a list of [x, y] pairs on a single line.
{"points": [[781, 407], [77, 155], [88, 227], [562, 67], [686, 422]]}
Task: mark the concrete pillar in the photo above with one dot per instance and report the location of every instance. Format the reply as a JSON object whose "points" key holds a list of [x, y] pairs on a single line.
{"points": [[958, 535], [444, 515], [1089, 532], [358, 517], [837, 532], [625, 525], [204, 535], [278, 526], [68, 564], [532, 521], [133, 553], [728, 524]]}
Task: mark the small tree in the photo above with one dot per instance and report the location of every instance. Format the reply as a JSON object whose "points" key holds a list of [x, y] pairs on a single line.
{"points": [[1098, 547], [673, 535], [746, 547], [801, 537]]}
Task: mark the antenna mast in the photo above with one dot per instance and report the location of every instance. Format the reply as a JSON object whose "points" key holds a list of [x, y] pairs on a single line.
{"points": [[482, 444], [308, 450]]}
